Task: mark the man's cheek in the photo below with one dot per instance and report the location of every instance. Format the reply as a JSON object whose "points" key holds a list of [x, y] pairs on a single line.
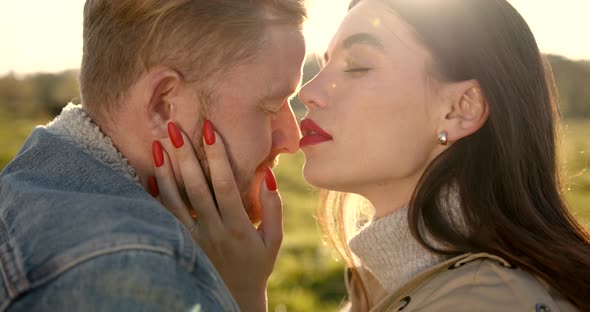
{"points": [[203, 162]]}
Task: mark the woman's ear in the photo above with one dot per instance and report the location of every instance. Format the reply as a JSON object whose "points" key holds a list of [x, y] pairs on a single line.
{"points": [[163, 93], [466, 113]]}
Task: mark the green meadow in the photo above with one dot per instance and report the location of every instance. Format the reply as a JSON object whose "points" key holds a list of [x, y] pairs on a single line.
{"points": [[308, 275]]}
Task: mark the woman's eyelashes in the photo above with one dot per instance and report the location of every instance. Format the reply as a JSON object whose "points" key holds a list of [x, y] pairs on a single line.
{"points": [[357, 70]]}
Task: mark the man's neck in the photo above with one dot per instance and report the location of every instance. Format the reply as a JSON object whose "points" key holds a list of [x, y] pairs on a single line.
{"points": [[122, 128]]}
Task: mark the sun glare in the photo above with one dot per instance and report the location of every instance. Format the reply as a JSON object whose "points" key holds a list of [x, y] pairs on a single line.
{"points": [[556, 25], [49, 38], [324, 17]]}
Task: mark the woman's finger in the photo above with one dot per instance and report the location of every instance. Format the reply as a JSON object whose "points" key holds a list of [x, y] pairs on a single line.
{"points": [[195, 184], [227, 193], [271, 227], [169, 194]]}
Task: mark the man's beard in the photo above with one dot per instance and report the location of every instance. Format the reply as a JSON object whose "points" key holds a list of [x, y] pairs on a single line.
{"points": [[245, 180], [247, 185], [250, 191]]}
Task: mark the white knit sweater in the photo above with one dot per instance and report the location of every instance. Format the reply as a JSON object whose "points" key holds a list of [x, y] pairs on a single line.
{"points": [[389, 251]]}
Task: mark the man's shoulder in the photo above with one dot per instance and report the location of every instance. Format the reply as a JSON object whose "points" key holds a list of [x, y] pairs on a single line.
{"points": [[57, 229], [126, 280], [54, 196], [48, 160], [60, 209], [63, 231]]}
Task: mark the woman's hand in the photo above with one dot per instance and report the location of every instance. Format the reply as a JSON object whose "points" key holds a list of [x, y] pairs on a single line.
{"points": [[243, 255]]}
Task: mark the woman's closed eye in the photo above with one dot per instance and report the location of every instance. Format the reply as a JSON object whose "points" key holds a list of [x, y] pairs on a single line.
{"points": [[357, 70], [354, 67]]}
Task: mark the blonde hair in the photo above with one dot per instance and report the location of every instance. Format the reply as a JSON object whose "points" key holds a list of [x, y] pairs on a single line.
{"points": [[198, 38], [341, 216]]}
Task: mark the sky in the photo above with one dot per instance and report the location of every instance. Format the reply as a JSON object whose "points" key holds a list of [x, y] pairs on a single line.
{"points": [[46, 35]]}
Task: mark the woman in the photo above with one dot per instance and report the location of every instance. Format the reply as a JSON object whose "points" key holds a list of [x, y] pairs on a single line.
{"points": [[441, 115]]}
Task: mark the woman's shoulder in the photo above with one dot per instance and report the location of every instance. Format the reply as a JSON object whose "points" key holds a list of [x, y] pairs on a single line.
{"points": [[476, 282]]}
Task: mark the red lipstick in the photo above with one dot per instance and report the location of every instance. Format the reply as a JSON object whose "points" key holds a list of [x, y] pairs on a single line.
{"points": [[312, 134]]}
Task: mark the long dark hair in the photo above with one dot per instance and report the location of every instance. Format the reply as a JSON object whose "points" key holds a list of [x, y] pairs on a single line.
{"points": [[507, 173]]}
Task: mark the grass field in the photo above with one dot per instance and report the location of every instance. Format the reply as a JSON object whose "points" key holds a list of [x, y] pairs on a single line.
{"points": [[576, 162], [307, 276]]}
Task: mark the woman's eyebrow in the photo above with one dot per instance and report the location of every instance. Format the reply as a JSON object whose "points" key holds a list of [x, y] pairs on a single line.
{"points": [[362, 38], [359, 38]]}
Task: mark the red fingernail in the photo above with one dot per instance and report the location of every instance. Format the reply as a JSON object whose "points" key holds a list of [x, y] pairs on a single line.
{"points": [[175, 135], [193, 214], [153, 186], [158, 154], [208, 132], [271, 182]]}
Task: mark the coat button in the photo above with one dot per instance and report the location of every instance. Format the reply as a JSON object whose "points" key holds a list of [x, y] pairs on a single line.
{"points": [[404, 303], [456, 265], [507, 265], [542, 308]]}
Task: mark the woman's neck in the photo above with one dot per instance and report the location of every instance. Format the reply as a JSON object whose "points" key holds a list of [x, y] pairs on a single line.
{"points": [[388, 197]]}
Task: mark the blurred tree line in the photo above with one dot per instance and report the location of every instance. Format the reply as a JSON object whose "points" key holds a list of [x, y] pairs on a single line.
{"points": [[38, 95], [44, 94], [573, 84]]}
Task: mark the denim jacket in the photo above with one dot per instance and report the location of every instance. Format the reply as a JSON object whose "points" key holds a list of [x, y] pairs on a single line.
{"points": [[76, 235]]}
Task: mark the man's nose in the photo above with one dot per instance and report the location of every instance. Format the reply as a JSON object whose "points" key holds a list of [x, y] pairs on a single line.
{"points": [[285, 132]]}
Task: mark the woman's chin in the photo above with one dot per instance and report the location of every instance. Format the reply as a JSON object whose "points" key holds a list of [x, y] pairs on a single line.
{"points": [[317, 177]]}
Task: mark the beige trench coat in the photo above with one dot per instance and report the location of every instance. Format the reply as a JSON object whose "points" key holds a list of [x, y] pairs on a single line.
{"points": [[470, 282]]}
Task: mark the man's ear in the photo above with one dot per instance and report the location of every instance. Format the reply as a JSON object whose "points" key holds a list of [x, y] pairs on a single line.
{"points": [[466, 113], [164, 87]]}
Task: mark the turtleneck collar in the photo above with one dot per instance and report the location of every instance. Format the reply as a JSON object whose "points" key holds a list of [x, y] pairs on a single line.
{"points": [[390, 252], [75, 125]]}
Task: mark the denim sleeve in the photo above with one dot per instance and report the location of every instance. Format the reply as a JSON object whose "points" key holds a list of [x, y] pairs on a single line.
{"points": [[128, 281]]}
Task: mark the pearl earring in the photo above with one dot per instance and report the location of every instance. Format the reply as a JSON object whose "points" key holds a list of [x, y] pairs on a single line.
{"points": [[442, 138]]}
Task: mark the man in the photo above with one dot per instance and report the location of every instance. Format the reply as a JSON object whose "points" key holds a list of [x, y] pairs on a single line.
{"points": [[78, 231]]}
